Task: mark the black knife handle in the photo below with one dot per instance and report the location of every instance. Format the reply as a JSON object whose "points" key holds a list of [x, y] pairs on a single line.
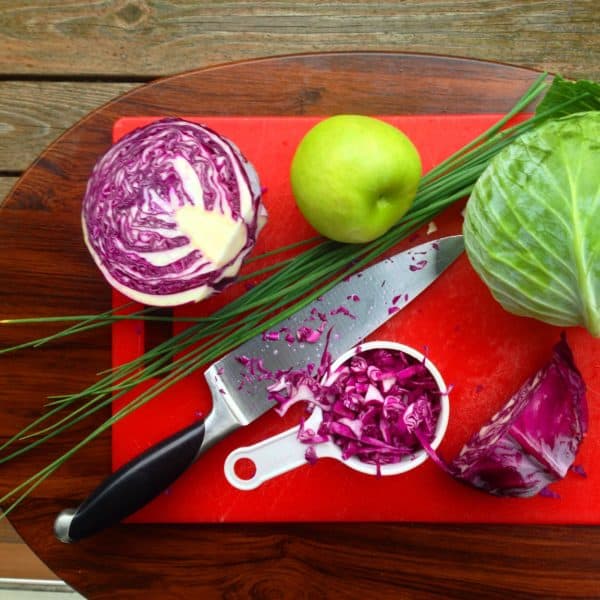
{"points": [[133, 485]]}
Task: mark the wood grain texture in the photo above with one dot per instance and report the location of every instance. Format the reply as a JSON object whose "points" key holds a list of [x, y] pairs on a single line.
{"points": [[34, 113], [6, 184], [52, 274], [16, 560], [132, 38]]}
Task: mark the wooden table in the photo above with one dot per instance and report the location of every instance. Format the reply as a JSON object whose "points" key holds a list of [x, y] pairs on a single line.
{"points": [[44, 271]]}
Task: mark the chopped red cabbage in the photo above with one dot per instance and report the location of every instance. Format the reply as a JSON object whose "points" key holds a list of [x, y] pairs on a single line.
{"points": [[371, 405], [418, 266], [308, 334]]}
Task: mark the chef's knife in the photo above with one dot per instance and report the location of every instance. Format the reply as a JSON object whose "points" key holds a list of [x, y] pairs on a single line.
{"points": [[352, 309]]}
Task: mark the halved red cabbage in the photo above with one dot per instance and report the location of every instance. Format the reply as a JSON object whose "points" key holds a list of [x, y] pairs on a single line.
{"points": [[533, 440], [171, 211]]}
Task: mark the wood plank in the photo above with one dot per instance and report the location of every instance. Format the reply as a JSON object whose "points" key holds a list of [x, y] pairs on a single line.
{"points": [[35, 113], [6, 184], [133, 38]]}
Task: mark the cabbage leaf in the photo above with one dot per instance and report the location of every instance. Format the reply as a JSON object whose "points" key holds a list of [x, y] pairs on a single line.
{"points": [[532, 223], [572, 96]]}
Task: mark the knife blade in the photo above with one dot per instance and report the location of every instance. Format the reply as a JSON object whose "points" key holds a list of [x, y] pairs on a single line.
{"points": [[351, 310]]}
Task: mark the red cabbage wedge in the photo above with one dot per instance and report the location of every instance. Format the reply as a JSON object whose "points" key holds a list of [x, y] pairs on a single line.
{"points": [[170, 212], [533, 440]]}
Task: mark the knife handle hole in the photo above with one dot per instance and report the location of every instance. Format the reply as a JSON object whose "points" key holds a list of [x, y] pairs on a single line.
{"points": [[244, 468]]}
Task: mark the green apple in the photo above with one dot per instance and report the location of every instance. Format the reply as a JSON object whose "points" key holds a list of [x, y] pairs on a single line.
{"points": [[354, 176]]}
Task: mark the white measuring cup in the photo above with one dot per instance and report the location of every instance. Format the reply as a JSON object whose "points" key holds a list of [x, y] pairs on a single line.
{"points": [[284, 452]]}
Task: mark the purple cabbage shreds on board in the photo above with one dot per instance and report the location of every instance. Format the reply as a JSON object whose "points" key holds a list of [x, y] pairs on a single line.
{"points": [[533, 440]]}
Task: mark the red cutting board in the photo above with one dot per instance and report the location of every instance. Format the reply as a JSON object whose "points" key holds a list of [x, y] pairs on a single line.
{"points": [[484, 352]]}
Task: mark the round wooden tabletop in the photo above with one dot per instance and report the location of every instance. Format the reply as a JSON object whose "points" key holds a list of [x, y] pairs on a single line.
{"points": [[45, 270]]}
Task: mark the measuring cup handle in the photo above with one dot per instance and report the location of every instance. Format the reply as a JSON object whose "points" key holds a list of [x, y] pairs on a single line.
{"points": [[271, 457]]}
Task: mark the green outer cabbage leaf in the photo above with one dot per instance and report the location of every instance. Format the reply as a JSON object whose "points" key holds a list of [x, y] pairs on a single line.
{"points": [[532, 223], [573, 96]]}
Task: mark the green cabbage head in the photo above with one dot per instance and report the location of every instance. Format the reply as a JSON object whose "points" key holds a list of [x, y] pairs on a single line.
{"points": [[532, 223]]}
